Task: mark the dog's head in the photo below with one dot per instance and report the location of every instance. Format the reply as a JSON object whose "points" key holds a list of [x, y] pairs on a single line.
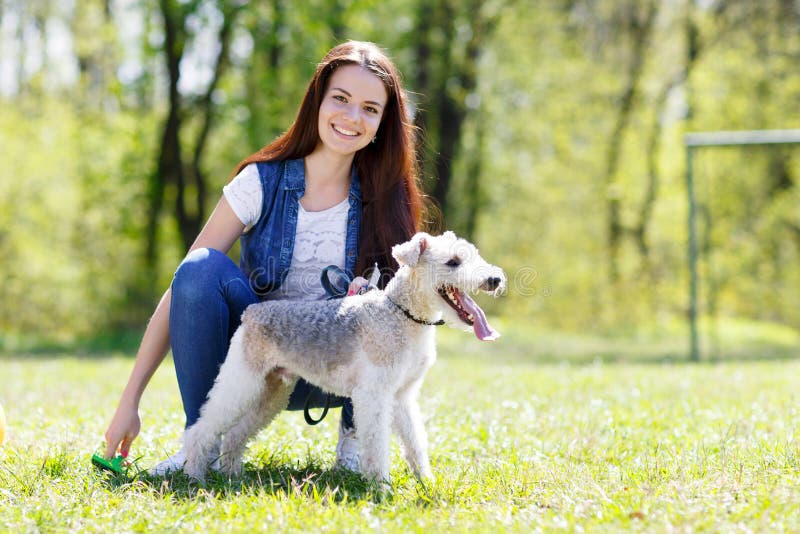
{"points": [[448, 268]]}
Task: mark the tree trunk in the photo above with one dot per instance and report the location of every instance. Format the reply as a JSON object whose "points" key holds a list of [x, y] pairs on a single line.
{"points": [[263, 81], [641, 33], [474, 191], [640, 230], [422, 86], [456, 82], [171, 168], [191, 223]]}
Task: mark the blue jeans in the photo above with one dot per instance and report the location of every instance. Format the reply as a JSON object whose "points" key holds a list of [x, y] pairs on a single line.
{"points": [[209, 294]]}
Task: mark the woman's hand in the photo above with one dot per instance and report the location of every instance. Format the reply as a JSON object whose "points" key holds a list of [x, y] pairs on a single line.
{"points": [[123, 430], [357, 285], [220, 232]]}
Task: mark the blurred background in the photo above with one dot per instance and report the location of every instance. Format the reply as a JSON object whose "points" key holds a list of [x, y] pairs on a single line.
{"points": [[553, 138]]}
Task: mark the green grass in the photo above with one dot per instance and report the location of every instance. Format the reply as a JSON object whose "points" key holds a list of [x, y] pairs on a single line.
{"points": [[534, 432]]}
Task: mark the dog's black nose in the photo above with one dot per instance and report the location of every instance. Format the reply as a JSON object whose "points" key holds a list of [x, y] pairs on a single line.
{"points": [[492, 283]]}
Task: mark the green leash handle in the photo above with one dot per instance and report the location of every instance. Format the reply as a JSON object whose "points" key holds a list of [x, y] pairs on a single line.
{"points": [[115, 465]]}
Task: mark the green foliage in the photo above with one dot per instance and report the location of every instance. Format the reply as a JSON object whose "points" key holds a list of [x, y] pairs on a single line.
{"points": [[530, 175], [71, 217]]}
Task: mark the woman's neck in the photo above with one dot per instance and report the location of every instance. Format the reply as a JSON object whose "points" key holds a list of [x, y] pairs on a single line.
{"points": [[326, 169], [327, 180]]}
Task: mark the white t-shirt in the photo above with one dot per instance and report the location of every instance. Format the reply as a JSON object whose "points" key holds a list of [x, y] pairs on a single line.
{"points": [[319, 240], [245, 196]]}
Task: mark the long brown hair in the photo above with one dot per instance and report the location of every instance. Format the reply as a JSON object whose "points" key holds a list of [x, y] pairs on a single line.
{"points": [[387, 169]]}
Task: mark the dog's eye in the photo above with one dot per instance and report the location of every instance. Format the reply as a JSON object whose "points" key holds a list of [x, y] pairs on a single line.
{"points": [[453, 262]]}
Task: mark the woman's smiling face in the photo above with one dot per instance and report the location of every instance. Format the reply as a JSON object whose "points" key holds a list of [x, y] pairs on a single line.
{"points": [[351, 110]]}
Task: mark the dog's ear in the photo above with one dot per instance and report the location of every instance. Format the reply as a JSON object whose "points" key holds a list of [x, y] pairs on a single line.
{"points": [[408, 253]]}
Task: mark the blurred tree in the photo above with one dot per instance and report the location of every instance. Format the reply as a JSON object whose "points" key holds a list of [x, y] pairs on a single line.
{"points": [[266, 24], [632, 23], [173, 167], [552, 137], [685, 26], [450, 36]]}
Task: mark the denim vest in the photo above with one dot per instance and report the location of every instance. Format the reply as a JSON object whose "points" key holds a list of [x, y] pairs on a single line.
{"points": [[267, 247]]}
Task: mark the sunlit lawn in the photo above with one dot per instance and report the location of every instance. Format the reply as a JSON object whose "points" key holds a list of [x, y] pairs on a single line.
{"points": [[520, 441]]}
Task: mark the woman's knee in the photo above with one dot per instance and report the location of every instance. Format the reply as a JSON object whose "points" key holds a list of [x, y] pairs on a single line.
{"points": [[200, 274]]}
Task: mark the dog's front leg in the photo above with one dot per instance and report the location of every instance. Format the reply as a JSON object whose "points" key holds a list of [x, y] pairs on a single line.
{"points": [[407, 423], [372, 416]]}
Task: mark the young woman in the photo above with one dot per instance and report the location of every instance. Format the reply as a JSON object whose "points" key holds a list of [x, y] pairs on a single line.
{"points": [[338, 188]]}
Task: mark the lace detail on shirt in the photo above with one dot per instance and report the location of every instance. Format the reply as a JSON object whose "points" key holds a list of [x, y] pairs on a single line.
{"points": [[319, 242]]}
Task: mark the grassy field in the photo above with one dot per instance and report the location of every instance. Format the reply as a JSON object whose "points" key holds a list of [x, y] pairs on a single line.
{"points": [[532, 433]]}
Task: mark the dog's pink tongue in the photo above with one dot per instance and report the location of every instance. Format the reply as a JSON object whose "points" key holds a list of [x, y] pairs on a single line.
{"points": [[483, 330]]}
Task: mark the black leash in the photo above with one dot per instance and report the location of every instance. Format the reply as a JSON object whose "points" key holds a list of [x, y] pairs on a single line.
{"points": [[307, 415], [334, 291]]}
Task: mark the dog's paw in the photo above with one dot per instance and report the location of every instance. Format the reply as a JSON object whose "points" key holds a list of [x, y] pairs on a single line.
{"points": [[230, 465], [424, 474], [378, 476], [422, 468], [195, 472]]}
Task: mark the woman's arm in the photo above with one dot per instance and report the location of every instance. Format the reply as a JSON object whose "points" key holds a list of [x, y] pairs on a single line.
{"points": [[220, 232]]}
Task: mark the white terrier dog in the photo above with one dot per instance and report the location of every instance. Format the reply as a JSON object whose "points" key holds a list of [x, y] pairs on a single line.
{"points": [[374, 348]]}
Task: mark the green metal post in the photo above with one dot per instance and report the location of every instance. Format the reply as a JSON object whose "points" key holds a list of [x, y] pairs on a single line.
{"points": [[692, 253], [717, 139]]}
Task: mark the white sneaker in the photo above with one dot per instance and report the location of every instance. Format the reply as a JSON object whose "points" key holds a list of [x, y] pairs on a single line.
{"points": [[347, 449], [170, 465], [176, 461]]}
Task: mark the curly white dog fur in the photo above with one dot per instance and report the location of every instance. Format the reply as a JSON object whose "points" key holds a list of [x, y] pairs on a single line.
{"points": [[374, 348]]}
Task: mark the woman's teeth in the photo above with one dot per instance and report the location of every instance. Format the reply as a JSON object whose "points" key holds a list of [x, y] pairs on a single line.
{"points": [[345, 132]]}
